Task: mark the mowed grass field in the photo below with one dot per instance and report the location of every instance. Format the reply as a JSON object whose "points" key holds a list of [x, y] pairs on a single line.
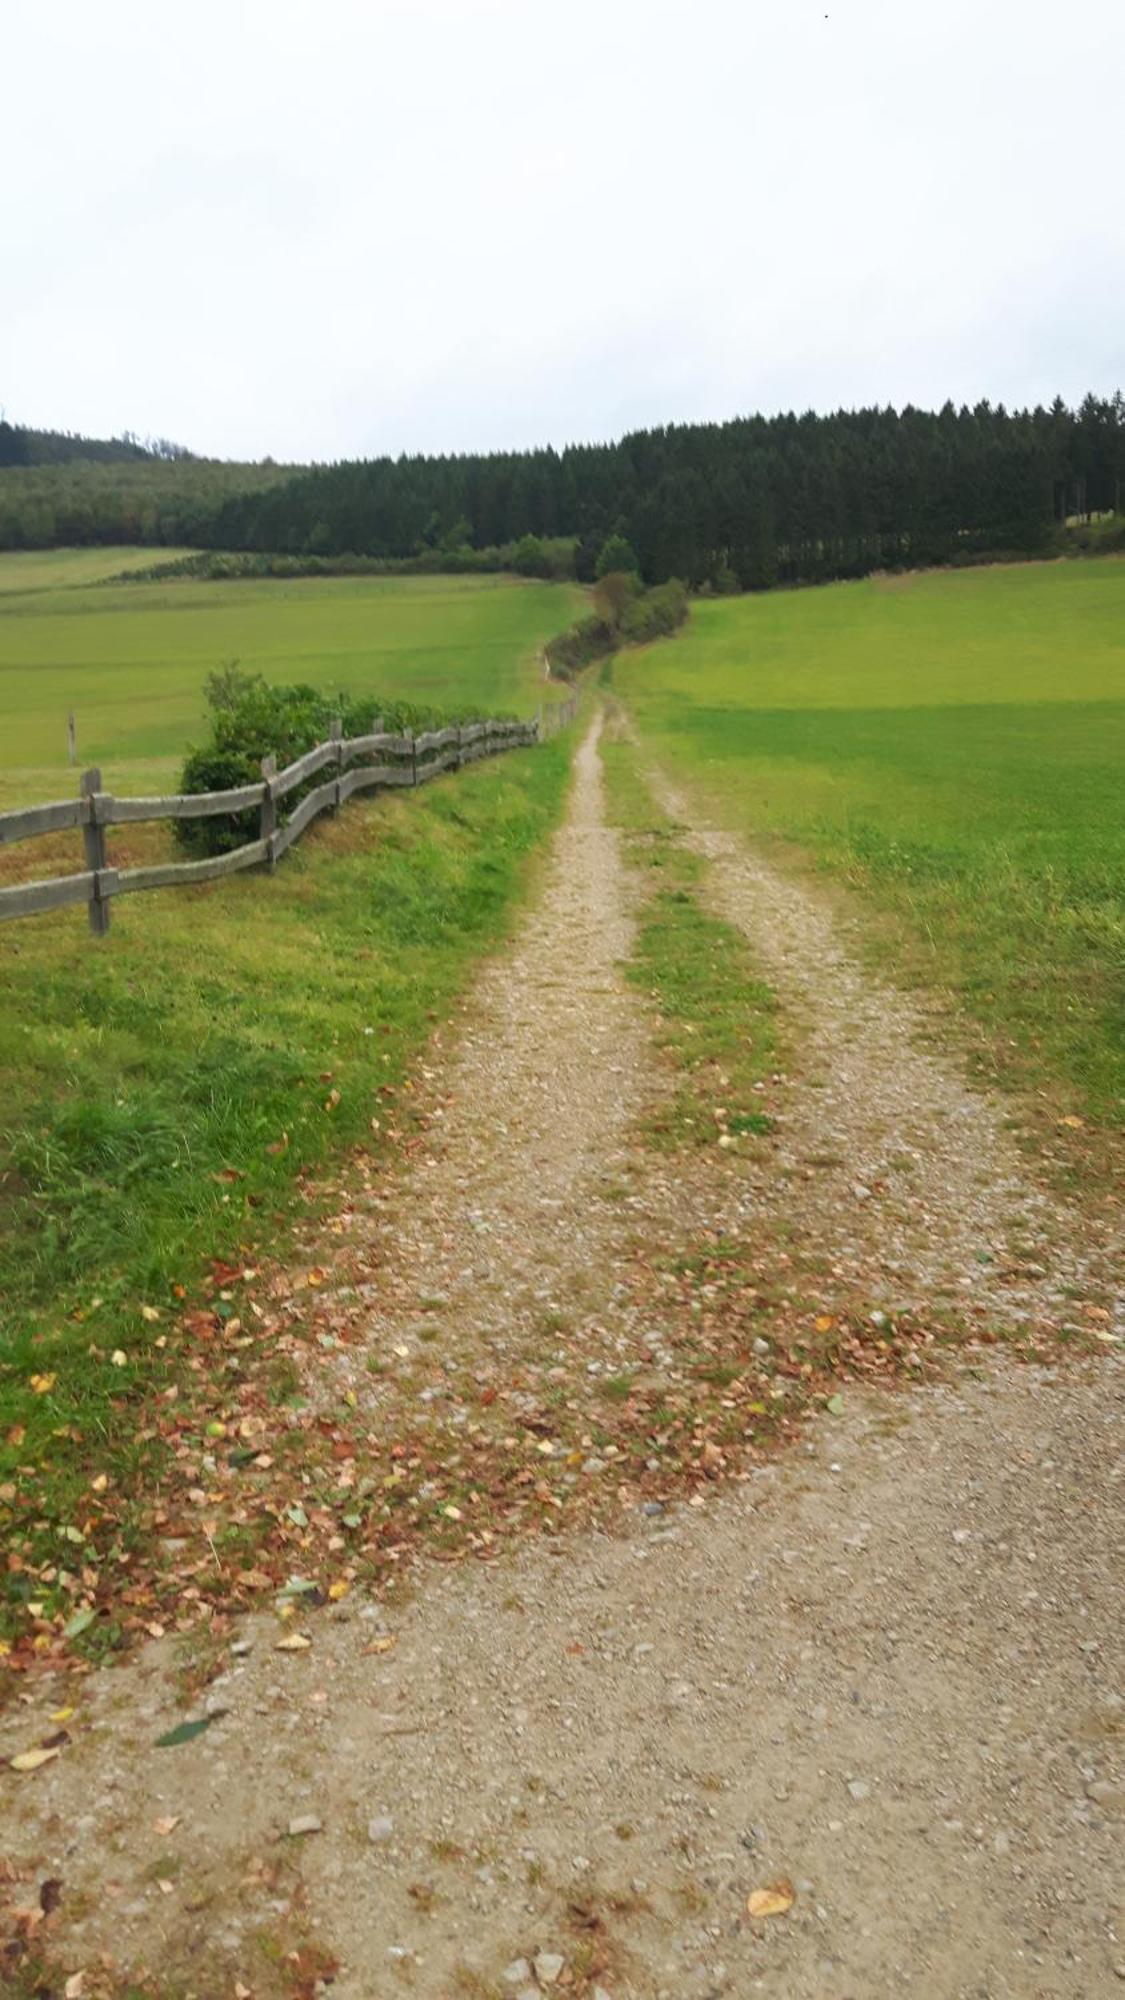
{"points": [[174, 1093], [953, 744], [131, 659]]}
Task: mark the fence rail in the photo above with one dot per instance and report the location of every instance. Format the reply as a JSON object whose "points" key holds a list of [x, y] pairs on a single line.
{"points": [[419, 758]]}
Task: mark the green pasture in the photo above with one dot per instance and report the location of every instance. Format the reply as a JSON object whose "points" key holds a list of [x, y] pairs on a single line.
{"points": [[130, 660], [954, 745], [64, 569]]}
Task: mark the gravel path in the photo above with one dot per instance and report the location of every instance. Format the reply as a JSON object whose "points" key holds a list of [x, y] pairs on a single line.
{"points": [[903, 1178], [885, 1668]]}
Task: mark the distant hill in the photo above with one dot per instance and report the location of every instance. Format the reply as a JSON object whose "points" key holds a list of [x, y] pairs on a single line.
{"points": [[21, 445], [60, 489]]}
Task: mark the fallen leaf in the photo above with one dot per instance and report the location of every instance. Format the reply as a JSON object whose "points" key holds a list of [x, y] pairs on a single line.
{"points": [[279, 1145], [453, 1513], [78, 1623], [317, 1275], [186, 1732], [31, 1760], [60, 1715], [304, 1823], [338, 1589], [50, 1895], [167, 1825], [775, 1900], [295, 1642], [119, 1358], [150, 1313], [835, 1406], [825, 1323], [43, 1384], [75, 1986], [382, 1645], [332, 1100]]}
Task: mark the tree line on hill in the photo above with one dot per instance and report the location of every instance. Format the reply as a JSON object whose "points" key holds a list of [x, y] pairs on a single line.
{"points": [[738, 505]]}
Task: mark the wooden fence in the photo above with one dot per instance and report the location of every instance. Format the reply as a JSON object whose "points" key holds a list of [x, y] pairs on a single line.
{"points": [[416, 760]]}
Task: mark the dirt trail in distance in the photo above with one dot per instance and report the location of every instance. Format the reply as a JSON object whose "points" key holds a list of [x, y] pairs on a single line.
{"points": [[887, 1667]]}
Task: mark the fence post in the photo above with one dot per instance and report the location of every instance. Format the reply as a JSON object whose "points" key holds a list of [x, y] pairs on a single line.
{"points": [[268, 824], [93, 840], [413, 758], [71, 739], [335, 735]]}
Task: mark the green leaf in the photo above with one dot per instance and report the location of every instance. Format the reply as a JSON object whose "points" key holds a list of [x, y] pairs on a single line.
{"points": [[185, 1732], [835, 1406], [78, 1623]]}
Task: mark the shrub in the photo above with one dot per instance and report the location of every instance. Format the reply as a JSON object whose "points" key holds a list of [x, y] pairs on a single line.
{"points": [[616, 554], [251, 720]]}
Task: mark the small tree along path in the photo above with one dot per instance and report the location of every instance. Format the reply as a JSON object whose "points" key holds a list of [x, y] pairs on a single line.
{"points": [[882, 1667]]}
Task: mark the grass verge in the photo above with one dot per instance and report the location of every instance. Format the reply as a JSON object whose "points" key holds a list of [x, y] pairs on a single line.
{"points": [[171, 1100]]}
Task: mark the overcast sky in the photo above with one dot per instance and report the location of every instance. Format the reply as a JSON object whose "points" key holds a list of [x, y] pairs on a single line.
{"points": [[323, 231]]}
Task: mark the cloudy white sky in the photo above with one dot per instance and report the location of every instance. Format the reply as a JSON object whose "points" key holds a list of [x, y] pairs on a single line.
{"points": [[308, 231]]}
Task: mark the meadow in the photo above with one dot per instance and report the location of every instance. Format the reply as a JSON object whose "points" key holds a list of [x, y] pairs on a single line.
{"points": [[952, 745], [172, 1094], [130, 660]]}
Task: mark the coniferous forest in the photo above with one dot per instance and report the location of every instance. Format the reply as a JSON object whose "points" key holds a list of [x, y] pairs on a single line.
{"points": [[738, 505]]}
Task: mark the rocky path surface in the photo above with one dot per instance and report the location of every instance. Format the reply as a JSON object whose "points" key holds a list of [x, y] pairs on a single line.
{"points": [[884, 1670]]}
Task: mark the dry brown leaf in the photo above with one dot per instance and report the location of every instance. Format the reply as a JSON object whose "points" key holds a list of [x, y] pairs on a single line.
{"points": [[382, 1645], [167, 1825], [775, 1900]]}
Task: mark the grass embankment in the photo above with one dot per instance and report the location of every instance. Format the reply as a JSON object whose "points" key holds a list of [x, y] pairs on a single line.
{"points": [[169, 1098], [130, 660], [952, 744]]}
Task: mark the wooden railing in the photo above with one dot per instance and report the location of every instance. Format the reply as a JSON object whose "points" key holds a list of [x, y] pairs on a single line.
{"points": [[415, 760]]}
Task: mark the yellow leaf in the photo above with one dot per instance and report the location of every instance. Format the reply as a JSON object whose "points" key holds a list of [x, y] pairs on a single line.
{"points": [[332, 1100], [454, 1513], [43, 1384], [295, 1643], [99, 1484], [1074, 1123], [382, 1645], [775, 1900], [30, 1760], [119, 1357], [825, 1323], [60, 1715], [317, 1275], [338, 1589], [150, 1313]]}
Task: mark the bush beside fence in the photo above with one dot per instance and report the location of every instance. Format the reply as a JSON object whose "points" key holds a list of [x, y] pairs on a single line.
{"points": [[404, 760]]}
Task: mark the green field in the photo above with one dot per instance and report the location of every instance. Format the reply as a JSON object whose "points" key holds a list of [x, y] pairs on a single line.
{"points": [[130, 660], [954, 745]]}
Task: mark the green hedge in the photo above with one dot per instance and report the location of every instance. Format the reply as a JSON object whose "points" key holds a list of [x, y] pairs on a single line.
{"points": [[251, 720]]}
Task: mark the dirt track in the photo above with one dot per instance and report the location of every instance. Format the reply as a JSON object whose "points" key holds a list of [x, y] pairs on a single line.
{"points": [[887, 1667]]}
